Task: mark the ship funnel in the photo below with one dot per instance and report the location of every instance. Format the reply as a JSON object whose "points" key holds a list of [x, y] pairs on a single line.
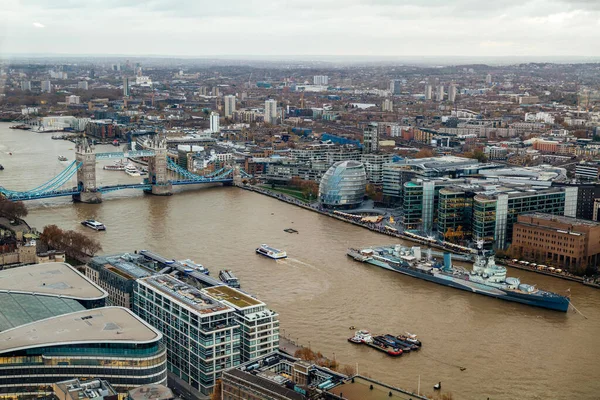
{"points": [[447, 260]]}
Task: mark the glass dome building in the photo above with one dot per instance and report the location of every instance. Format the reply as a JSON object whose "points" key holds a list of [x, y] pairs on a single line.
{"points": [[343, 185]]}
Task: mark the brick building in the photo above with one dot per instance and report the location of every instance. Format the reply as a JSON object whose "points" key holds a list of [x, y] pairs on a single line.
{"points": [[564, 241]]}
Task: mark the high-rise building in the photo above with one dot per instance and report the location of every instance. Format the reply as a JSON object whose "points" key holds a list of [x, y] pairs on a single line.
{"points": [[428, 91], [26, 86], [452, 92], [214, 122], [321, 80], [387, 105], [371, 138], [439, 93], [126, 92], [82, 85], [395, 86], [229, 105], [92, 74], [201, 334], [488, 79], [46, 87], [215, 91], [271, 111]]}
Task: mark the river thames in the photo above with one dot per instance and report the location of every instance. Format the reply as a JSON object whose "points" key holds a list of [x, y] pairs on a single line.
{"points": [[510, 351]]}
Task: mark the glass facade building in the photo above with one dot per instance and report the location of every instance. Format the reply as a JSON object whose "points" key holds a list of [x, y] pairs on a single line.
{"points": [[343, 185], [109, 343], [201, 334]]}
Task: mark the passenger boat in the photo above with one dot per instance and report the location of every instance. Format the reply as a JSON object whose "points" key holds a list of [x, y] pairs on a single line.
{"points": [[132, 170], [271, 252], [62, 158], [229, 278], [116, 166], [191, 266], [95, 225]]}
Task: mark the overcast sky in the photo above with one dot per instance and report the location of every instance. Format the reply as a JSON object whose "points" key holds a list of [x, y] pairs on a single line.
{"points": [[302, 27]]}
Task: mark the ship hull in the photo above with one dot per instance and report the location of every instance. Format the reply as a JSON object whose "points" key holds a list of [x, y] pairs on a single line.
{"points": [[557, 303]]}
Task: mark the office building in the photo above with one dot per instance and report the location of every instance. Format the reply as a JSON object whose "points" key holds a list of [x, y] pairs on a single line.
{"points": [[214, 122], [54, 326], [371, 138], [343, 185], [395, 87], [74, 389], [452, 90], [229, 105], [557, 240], [201, 334], [387, 105], [428, 91], [587, 171], [126, 88], [271, 111], [483, 210], [321, 80], [279, 376], [26, 86], [46, 87], [83, 85]]}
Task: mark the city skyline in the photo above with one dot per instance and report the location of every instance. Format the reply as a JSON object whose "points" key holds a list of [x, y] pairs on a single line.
{"points": [[530, 28]]}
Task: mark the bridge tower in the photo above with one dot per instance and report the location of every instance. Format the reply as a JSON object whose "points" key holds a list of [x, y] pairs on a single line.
{"points": [[86, 174], [157, 168]]}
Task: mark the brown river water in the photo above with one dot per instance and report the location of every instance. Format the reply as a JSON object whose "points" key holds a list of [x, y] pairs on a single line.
{"points": [[510, 351]]}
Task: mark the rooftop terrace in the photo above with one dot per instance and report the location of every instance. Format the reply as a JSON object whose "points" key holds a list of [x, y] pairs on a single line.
{"points": [[232, 296]]}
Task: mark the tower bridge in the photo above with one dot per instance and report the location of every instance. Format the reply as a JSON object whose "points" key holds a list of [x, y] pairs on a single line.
{"points": [[163, 174]]}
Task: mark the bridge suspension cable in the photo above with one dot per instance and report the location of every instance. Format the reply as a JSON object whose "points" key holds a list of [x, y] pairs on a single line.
{"points": [[49, 186]]}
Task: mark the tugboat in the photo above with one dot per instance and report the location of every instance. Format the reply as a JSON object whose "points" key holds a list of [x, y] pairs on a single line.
{"points": [[229, 278], [271, 252], [95, 225]]}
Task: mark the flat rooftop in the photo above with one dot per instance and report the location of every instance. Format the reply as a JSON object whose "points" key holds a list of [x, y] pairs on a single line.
{"points": [[50, 279], [232, 296], [151, 392], [562, 219], [361, 390], [184, 293], [99, 325]]}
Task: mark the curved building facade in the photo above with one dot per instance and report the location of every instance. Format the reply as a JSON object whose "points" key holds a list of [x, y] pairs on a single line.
{"points": [[109, 343], [343, 185]]}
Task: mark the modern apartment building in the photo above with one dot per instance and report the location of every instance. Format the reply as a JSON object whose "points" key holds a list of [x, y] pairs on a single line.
{"points": [[259, 326], [201, 334], [370, 138], [229, 105], [271, 111]]}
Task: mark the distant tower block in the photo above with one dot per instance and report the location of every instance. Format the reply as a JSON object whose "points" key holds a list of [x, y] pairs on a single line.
{"points": [[86, 174], [157, 168]]}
